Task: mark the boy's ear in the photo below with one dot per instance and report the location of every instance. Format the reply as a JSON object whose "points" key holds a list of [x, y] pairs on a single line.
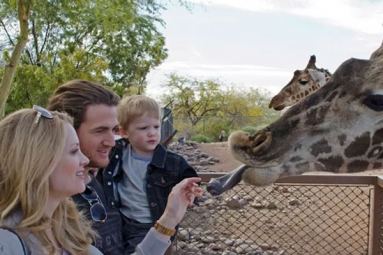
{"points": [[123, 133]]}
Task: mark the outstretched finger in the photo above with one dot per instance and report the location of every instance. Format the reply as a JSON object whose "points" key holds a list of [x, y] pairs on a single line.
{"points": [[188, 182]]}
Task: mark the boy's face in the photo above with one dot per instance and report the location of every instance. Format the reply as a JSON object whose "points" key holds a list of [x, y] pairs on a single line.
{"points": [[144, 134], [96, 133]]}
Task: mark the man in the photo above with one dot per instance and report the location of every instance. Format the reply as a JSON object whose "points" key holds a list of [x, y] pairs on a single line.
{"points": [[94, 109]]}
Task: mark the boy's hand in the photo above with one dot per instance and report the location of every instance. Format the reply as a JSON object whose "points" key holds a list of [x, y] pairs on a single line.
{"points": [[180, 198]]}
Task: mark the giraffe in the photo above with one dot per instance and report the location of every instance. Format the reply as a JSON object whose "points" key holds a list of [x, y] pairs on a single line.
{"points": [[338, 128], [303, 83]]}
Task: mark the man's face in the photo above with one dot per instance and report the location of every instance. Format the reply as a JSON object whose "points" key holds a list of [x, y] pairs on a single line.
{"points": [[96, 134]]}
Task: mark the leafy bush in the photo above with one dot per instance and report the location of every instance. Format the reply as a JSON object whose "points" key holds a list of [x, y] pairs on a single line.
{"points": [[200, 139], [250, 129]]}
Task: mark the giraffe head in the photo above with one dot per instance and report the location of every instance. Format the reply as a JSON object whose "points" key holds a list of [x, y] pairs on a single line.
{"points": [[338, 128], [303, 83]]}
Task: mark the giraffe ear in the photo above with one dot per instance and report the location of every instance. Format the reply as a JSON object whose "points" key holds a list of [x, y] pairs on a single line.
{"points": [[317, 76], [311, 63]]}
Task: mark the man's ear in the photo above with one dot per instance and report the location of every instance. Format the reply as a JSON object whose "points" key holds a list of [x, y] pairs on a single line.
{"points": [[317, 76]]}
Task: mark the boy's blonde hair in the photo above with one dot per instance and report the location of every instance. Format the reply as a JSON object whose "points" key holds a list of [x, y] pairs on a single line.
{"points": [[132, 107], [29, 153]]}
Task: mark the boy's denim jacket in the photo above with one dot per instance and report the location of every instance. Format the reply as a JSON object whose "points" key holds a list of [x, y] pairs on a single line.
{"points": [[164, 171]]}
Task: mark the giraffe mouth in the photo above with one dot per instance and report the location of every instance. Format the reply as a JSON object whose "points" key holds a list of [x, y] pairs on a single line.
{"points": [[276, 103], [247, 149]]}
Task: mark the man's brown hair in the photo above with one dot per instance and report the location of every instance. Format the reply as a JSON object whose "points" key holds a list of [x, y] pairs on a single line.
{"points": [[75, 96]]}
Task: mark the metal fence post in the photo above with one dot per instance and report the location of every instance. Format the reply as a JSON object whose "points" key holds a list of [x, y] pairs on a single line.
{"points": [[376, 226]]}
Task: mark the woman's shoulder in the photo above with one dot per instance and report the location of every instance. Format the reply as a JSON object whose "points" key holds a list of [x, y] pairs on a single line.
{"points": [[10, 243], [94, 251]]}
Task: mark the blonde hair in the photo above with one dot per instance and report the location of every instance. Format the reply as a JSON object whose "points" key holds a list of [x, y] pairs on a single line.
{"points": [[29, 153], [132, 107]]}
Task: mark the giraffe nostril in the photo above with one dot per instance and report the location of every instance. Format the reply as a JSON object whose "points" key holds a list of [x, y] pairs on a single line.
{"points": [[261, 142]]}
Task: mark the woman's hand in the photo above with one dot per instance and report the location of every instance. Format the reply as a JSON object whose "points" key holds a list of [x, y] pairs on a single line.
{"points": [[180, 198]]}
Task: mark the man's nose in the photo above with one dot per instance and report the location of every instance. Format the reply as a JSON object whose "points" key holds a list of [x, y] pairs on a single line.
{"points": [[109, 140]]}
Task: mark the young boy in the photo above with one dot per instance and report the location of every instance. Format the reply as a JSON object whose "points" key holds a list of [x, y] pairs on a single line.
{"points": [[147, 171]]}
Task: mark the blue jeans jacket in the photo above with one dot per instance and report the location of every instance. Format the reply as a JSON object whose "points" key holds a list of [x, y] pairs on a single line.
{"points": [[164, 171]]}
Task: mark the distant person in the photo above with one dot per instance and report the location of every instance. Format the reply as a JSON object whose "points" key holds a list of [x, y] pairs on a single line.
{"points": [[181, 140], [222, 136], [144, 171]]}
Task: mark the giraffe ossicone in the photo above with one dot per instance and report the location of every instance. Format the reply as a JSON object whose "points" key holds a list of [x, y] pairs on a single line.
{"points": [[338, 128], [303, 83]]}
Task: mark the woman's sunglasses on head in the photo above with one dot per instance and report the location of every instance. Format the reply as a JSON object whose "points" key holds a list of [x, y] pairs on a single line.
{"points": [[41, 112]]}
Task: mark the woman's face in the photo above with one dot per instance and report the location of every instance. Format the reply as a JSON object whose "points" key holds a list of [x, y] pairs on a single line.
{"points": [[68, 177]]}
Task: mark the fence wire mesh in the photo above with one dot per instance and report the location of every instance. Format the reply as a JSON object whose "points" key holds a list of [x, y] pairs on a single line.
{"points": [[279, 219]]}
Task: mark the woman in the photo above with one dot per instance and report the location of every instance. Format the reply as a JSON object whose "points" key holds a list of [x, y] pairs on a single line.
{"points": [[41, 166]]}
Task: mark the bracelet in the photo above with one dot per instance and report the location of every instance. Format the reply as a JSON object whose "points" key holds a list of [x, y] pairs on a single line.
{"points": [[164, 230]]}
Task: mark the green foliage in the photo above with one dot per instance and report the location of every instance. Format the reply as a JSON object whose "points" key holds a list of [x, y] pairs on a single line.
{"points": [[191, 97], [200, 139], [114, 42], [250, 130], [208, 106]]}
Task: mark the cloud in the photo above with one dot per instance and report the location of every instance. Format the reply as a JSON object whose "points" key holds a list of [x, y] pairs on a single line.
{"points": [[214, 70], [245, 76], [355, 15]]}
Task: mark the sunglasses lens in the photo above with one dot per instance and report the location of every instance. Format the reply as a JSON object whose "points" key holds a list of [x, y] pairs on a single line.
{"points": [[89, 194], [44, 112], [98, 212]]}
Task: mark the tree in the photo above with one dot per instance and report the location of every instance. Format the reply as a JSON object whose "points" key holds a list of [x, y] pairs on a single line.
{"points": [[191, 97], [19, 43], [212, 106], [68, 39]]}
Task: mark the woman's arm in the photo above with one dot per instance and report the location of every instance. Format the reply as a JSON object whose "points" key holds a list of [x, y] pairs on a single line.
{"points": [[182, 196]]}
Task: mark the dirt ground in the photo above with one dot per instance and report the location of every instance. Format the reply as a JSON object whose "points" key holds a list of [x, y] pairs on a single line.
{"points": [[220, 151]]}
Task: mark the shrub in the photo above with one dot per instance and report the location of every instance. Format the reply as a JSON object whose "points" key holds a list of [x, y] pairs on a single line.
{"points": [[200, 139], [250, 129]]}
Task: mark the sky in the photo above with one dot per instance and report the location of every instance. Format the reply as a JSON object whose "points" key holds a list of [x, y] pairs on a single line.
{"points": [[260, 43]]}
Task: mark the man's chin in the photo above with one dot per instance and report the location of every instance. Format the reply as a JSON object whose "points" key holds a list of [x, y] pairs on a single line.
{"points": [[98, 164]]}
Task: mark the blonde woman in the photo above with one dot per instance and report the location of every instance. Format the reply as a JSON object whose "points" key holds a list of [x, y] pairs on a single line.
{"points": [[41, 166]]}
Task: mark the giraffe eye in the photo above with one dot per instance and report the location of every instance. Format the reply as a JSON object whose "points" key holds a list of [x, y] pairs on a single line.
{"points": [[303, 82], [374, 102]]}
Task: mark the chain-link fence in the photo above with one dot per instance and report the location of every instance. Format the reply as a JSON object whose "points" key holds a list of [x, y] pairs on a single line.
{"points": [[306, 217]]}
